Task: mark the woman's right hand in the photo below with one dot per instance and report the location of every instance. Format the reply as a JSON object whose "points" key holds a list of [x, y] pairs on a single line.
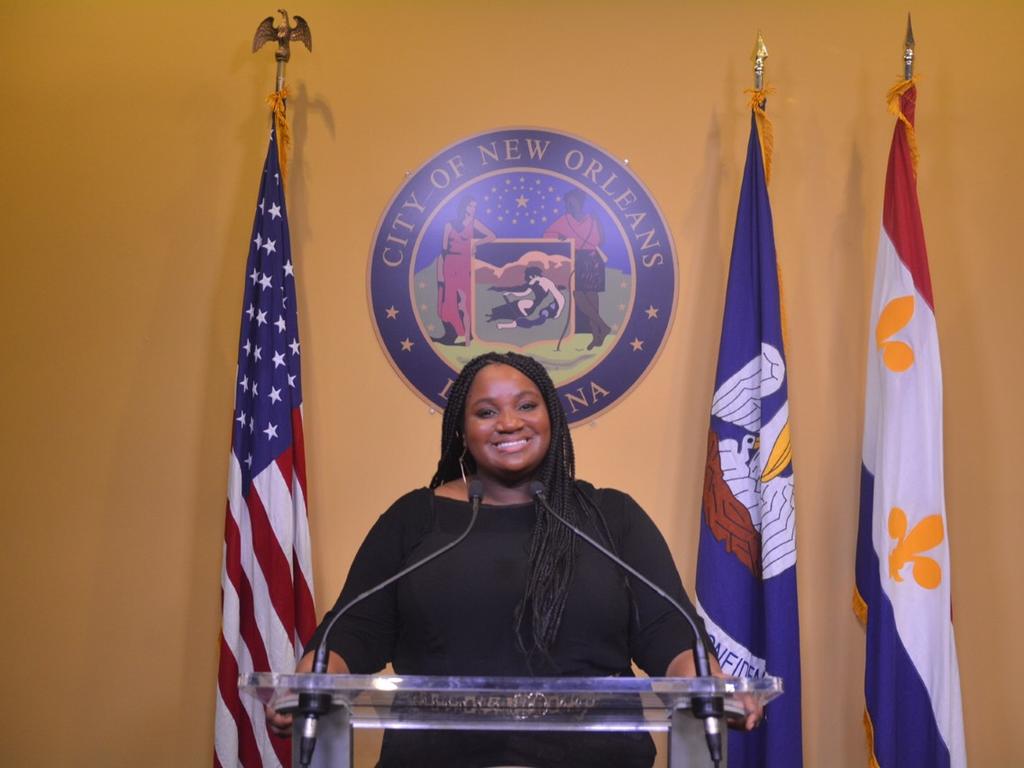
{"points": [[280, 723]]}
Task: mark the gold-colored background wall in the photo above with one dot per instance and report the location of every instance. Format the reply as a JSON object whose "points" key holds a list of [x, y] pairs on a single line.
{"points": [[132, 140]]}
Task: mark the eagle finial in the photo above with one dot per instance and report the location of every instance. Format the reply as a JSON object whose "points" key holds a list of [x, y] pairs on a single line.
{"points": [[283, 34]]}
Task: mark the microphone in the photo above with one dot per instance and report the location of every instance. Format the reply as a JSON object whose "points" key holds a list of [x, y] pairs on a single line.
{"points": [[707, 708], [313, 705]]}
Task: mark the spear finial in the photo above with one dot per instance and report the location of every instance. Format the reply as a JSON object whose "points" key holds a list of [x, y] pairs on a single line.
{"points": [[758, 101], [908, 52], [760, 54]]}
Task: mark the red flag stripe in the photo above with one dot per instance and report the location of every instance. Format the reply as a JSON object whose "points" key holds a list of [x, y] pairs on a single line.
{"points": [[301, 549], [227, 684], [267, 639], [244, 650], [285, 462], [272, 561], [305, 614], [276, 648], [299, 448], [248, 629], [302, 554], [901, 212]]}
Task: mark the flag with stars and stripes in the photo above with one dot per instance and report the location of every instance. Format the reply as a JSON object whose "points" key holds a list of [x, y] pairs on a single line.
{"points": [[746, 559], [267, 577], [913, 713]]}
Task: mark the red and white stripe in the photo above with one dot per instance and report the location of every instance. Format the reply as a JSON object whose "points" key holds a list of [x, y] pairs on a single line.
{"points": [[267, 597]]}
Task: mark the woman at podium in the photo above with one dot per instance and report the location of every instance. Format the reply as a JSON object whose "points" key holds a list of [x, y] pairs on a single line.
{"points": [[521, 595]]}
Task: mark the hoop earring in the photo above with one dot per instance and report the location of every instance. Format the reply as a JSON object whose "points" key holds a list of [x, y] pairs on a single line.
{"points": [[462, 467]]}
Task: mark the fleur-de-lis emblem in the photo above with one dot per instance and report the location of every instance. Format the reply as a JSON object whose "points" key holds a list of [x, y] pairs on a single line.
{"points": [[927, 534], [898, 356]]}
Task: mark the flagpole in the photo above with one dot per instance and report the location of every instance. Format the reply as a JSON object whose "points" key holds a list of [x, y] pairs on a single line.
{"points": [[908, 52], [279, 83]]}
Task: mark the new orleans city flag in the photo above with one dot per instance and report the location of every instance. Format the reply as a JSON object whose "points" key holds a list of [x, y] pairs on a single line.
{"points": [[911, 682], [746, 561]]}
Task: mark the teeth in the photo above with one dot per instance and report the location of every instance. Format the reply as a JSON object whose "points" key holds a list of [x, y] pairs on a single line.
{"points": [[512, 443]]}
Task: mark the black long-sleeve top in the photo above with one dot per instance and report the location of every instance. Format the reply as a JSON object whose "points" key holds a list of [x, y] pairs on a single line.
{"points": [[454, 616]]}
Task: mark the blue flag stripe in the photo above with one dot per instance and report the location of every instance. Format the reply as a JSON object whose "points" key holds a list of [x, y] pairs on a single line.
{"points": [[893, 687]]}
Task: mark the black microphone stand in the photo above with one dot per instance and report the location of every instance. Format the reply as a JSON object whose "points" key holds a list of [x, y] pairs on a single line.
{"points": [[313, 705], [710, 709]]}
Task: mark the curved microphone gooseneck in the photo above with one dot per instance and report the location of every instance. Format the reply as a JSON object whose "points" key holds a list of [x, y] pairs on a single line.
{"points": [[313, 705], [707, 708]]}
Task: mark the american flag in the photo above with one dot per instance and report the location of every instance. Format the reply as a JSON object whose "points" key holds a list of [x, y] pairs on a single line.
{"points": [[267, 578]]}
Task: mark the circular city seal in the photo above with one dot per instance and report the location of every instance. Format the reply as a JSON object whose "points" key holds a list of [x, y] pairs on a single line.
{"points": [[527, 240]]}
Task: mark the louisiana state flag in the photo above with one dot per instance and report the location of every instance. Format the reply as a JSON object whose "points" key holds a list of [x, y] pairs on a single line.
{"points": [[746, 561], [913, 713]]}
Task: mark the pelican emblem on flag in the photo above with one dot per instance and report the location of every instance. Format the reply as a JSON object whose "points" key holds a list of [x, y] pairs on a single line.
{"points": [[748, 494]]}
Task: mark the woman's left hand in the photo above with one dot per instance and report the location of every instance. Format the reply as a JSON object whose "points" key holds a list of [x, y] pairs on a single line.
{"points": [[754, 713], [683, 665]]}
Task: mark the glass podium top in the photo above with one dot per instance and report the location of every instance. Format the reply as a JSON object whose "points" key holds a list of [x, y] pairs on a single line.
{"points": [[510, 703]]}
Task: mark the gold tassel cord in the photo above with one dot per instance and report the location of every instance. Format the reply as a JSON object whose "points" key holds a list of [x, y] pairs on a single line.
{"points": [[277, 101], [893, 99], [758, 97]]}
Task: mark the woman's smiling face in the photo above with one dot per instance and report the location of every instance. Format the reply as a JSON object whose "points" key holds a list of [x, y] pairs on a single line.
{"points": [[507, 428]]}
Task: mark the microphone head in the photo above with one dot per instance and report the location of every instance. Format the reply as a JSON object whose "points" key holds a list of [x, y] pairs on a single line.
{"points": [[476, 490], [537, 488]]}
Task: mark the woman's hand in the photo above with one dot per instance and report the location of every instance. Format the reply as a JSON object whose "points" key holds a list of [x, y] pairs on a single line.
{"points": [[280, 723], [683, 665], [754, 710]]}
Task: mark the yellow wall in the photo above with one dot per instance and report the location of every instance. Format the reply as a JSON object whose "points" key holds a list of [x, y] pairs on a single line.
{"points": [[132, 144]]}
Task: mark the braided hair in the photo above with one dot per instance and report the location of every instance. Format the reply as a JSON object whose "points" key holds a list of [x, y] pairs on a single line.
{"points": [[552, 545]]}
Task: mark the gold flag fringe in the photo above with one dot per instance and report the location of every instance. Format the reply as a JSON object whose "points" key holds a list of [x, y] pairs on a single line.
{"points": [[860, 608], [893, 99], [783, 317], [758, 97], [277, 101], [869, 733]]}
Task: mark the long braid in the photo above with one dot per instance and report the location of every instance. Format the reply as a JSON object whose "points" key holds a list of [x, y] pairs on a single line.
{"points": [[552, 546]]}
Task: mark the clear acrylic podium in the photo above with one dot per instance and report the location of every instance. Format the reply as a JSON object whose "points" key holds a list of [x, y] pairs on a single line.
{"points": [[507, 703]]}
